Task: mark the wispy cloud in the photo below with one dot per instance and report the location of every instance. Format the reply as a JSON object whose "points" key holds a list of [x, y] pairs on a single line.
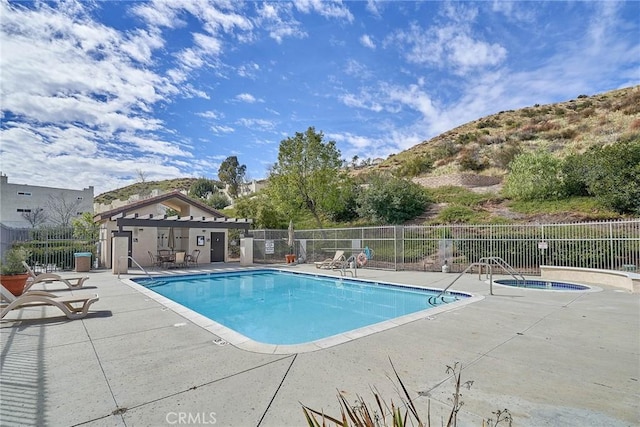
{"points": [[246, 97], [262, 124], [367, 41], [277, 19], [330, 10], [451, 44]]}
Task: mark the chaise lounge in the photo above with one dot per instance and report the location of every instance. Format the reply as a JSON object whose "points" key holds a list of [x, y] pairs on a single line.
{"points": [[336, 262], [71, 282], [73, 306]]}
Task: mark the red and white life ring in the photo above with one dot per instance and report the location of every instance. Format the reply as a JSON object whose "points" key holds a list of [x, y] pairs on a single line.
{"points": [[361, 259]]}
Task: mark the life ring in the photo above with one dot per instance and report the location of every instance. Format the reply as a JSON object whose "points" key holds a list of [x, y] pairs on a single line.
{"points": [[361, 259]]}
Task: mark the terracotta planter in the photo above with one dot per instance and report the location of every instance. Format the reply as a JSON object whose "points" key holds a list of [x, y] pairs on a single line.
{"points": [[14, 283]]}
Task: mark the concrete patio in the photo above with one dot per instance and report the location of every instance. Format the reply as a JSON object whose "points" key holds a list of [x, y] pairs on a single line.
{"points": [[550, 358]]}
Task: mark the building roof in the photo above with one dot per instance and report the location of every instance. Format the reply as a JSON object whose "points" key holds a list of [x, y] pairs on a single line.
{"points": [[127, 215], [174, 200]]}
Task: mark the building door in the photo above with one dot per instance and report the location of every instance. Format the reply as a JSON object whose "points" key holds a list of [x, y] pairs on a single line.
{"points": [[127, 234], [218, 246]]}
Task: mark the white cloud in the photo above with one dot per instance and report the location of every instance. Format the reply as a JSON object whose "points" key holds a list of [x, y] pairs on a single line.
{"points": [[249, 70], [277, 19], [261, 124], [452, 46], [357, 69], [372, 7], [366, 41], [220, 129], [246, 97], [362, 100], [211, 115], [334, 9]]}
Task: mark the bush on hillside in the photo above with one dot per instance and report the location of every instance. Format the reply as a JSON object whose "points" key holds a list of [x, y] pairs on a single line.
{"points": [[535, 176], [391, 200], [614, 176]]}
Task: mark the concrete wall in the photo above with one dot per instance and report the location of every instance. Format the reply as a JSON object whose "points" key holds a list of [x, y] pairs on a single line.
{"points": [[618, 279]]}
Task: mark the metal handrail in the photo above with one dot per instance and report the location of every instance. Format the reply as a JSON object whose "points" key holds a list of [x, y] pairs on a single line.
{"points": [[475, 264], [485, 262], [505, 266], [343, 269], [136, 263]]}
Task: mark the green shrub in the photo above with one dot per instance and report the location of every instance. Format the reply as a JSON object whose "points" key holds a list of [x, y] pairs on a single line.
{"points": [[614, 178], [391, 200], [456, 214], [415, 166], [535, 176]]}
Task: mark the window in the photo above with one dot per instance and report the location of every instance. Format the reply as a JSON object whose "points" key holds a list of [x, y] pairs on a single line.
{"points": [[24, 193], [23, 210]]}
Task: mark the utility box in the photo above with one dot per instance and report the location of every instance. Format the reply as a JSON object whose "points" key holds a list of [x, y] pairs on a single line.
{"points": [[83, 261]]}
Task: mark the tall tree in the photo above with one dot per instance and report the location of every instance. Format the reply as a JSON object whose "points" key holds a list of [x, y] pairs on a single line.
{"points": [[232, 173], [307, 175]]}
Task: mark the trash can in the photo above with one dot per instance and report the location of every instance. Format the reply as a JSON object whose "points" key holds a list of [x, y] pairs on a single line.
{"points": [[83, 261]]}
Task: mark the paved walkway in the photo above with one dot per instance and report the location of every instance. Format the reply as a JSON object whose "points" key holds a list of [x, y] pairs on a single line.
{"points": [[551, 358]]}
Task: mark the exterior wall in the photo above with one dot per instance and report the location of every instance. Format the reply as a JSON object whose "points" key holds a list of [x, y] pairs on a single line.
{"points": [[14, 197], [151, 239], [247, 188]]}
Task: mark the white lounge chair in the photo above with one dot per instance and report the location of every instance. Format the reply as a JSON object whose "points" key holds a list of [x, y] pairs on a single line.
{"points": [[73, 306], [71, 282], [336, 262]]}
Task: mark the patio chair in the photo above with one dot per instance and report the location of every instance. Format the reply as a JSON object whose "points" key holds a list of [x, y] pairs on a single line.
{"points": [[193, 257], [335, 262], [34, 278], [155, 261], [73, 306], [181, 259]]}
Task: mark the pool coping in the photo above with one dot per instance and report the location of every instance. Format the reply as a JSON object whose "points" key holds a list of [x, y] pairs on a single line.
{"points": [[229, 336]]}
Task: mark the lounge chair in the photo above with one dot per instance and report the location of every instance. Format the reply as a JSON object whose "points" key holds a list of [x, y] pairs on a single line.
{"points": [[336, 262], [73, 306], [71, 282]]}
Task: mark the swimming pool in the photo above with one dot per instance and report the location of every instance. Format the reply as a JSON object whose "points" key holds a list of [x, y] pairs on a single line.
{"points": [[283, 308], [543, 285]]}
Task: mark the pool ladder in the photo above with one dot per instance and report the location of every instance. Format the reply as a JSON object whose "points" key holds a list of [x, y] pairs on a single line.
{"points": [[345, 269], [488, 262], [136, 263]]}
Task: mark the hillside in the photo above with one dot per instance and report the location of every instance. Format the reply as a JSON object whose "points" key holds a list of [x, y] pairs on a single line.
{"points": [[488, 144], [479, 152], [146, 187]]}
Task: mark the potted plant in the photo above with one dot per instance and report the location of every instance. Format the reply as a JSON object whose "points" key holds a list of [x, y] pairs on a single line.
{"points": [[13, 274]]}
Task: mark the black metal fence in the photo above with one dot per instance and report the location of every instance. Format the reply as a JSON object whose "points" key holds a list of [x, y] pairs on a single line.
{"points": [[50, 248]]}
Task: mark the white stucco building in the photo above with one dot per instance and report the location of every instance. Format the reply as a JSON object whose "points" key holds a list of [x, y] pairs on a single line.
{"points": [[20, 202], [145, 230]]}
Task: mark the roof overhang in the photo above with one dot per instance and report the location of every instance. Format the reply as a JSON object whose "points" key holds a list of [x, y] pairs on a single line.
{"points": [[134, 220]]}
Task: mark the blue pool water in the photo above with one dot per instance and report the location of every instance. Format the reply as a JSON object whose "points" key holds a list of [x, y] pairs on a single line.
{"points": [[278, 307], [543, 284]]}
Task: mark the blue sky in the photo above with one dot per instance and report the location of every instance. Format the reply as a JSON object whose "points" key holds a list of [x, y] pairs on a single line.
{"points": [[93, 92]]}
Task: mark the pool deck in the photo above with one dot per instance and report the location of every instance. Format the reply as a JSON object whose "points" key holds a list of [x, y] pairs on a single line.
{"points": [[551, 358]]}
